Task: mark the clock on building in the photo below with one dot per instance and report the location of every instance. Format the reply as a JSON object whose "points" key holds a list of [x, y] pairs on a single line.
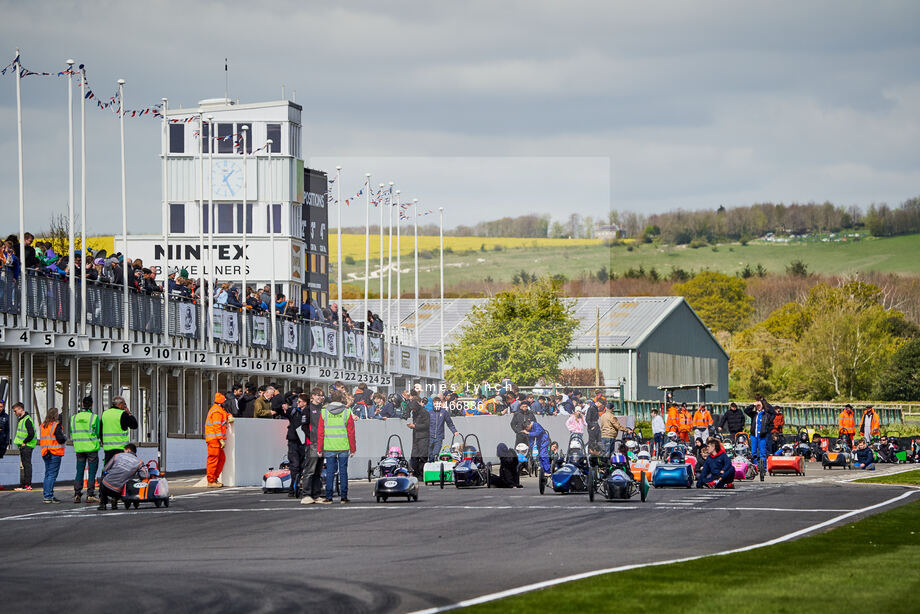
{"points": [[227, 179]]}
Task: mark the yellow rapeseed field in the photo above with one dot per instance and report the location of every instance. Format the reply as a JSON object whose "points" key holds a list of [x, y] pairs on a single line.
{"points": [[353, 244]]}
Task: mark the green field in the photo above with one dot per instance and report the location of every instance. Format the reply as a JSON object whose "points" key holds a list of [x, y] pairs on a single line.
{"points": [[908, 478], [888, 255], [869, 565]]}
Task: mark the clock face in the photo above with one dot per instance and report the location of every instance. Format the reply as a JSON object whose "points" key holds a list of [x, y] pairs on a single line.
{"points": [[227, 179]]}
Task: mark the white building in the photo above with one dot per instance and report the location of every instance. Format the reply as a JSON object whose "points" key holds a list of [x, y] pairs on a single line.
{"points": [[278, 210]]}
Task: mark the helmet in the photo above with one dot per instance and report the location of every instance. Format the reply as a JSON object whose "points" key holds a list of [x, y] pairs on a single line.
{"points": [[469, 451], [401, 471], [617, 459], [631, 445], [394, 399], [672, 436], [645, 455], [521, 448], [394, 452], [576, 456], [455, 447]]}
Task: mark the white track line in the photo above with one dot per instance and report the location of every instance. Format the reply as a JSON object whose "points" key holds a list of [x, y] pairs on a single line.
{"points": [[588, 574]]}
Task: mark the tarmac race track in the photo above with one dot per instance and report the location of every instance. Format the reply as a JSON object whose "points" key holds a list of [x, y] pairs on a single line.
{"points": [[238, 550]]}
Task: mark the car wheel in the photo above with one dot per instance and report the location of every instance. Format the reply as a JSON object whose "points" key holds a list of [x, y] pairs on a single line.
{"points": [[370, 470], [157, 502], [137, 504], [541, 478], [643, 486], [442, 477], [127, 505], [591, 484], [166, 502], [489, 475], [415, 497]]}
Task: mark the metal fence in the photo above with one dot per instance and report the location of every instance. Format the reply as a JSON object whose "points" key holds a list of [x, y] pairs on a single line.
{"points": [[48, 297]]}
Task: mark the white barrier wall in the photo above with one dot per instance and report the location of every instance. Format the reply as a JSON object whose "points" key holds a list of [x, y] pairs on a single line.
{"points": [[255, 444]]}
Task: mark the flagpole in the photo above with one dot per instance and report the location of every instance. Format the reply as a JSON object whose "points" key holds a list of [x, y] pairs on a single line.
{"points": [[271, 247], [83, 247], [71, 249], [415, 228], [124, 211], [341, 340], [441, 224], [398, 272], [367, 257], [166, 222], [380, 232], [201, 305], [23, 305], [212, 142], [244, 332], [389, 334]]}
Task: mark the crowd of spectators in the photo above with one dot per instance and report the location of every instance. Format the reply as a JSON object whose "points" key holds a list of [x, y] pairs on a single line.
{"points": [[103, 268]]}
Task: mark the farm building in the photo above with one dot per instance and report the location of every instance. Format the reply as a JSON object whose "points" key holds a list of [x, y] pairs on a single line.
{"points": [[646, 341]]}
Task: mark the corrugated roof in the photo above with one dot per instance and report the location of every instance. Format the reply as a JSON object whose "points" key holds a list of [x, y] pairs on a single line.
{"points": [[623, 320]]}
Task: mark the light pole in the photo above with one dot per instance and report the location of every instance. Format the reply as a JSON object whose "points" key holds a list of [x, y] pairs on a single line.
{"points": [[83, 259], [415, 230], [166, 221], [441, 228], [71, 249], [341, 340], [124, 210], [380, 232], [271, 247], [243, 324], [211, 279], [389, 334], [398, 273], [367, 258]]}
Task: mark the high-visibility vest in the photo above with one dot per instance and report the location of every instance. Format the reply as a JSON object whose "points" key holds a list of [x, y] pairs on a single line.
{"points": [[113, 437], [84, 431], [335, 434], [22, 433], [846, 423], [684, 420], [672, 421], [875, 422], [702, 419], [48, 442], [215, 425]]}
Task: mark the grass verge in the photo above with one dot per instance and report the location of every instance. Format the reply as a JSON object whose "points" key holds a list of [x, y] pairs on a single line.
{"points": [[907, 478], [875, 561]]}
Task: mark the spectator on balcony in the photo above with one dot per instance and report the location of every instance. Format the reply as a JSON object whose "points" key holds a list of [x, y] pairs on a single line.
{"points": [[233, 298], [266, 296], [292, 310], [150, 283], [254, 301], [308, 311], [222, 294], [280, 304]]}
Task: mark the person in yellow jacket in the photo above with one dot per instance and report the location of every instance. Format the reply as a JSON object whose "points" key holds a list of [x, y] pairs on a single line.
{"points": [[215, 434]]}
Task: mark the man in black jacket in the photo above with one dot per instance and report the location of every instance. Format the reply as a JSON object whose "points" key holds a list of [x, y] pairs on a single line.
{"points": [[297, 432], [761, 414], [312, 483], [232, 404], [246, 401], [522, 416], [420, 423], [733, 420]]}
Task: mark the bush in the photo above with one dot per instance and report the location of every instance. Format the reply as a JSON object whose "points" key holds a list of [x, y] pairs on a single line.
{"points": [[497, 247], [630, 248], [797, 268], [697, 243], [349, 260]]}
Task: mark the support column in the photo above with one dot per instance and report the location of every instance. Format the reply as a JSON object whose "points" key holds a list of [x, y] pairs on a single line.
{"points": [[95, 376], [50, 382], [73, 389], [28, 386], [163, 418], [181, 402], [137, 402], [116, 383]]}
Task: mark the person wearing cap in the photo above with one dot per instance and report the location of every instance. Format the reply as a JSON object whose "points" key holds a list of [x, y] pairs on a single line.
{"points": [[870, 423], [846, 424], [215, 436], [538, 437], [26, 440], [85, 434]]}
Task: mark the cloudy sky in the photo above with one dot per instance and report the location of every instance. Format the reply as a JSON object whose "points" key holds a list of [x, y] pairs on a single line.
{"points": [[496, 108]]}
